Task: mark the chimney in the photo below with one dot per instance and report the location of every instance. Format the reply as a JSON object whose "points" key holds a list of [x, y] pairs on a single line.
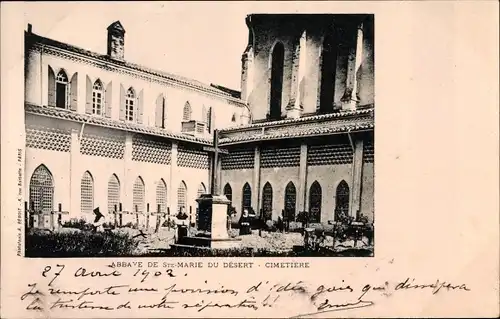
{"points": [[116, 41], [30, 28]]}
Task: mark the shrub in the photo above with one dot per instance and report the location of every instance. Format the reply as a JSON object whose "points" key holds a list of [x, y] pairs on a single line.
{"points": [[79, 244], [75, 223]]}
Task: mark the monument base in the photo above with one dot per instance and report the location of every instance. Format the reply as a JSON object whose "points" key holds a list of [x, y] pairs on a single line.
{"points": [[212, 224]]}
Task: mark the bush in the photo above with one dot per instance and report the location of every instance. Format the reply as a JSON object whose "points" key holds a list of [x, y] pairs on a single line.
{"points": [[79, 244], [75, 223]]}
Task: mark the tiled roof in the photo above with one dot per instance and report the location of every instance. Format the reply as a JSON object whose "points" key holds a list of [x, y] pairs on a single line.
{"points": [[313, 118], [336, 123], [105, 122], [34, 38]]}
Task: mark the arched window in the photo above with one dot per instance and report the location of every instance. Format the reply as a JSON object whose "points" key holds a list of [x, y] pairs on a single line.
{"points": [[161, 196], [186, 112], [98, 98], [328, 72], [342, 200], [138, 195], [210, 118], [87, 193], [113, 193], [315, 203], [246, 198], [62, 90], [130, 105], [290, 201], [228, 192], [278, 56], [182, 197], [42, 190], [233, 118], [201, 190], [267, 201]]}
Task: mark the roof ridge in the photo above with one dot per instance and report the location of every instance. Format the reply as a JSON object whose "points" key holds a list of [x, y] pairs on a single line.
{"points": [[183, 80]]}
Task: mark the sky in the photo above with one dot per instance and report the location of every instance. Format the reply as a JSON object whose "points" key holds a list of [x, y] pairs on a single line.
{"points": [[203, 40], [198, 40]]}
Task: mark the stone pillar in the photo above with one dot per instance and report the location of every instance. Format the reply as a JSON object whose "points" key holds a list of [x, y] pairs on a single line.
{"points": [[74, 177], [350, 99], [295, 107], [302, 187], [247, 73], [128, 176], [174, 181], [256, 181], [357, 176]]}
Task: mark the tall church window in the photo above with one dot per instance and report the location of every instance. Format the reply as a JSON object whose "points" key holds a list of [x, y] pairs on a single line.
{"points": [[228, 192], [328, 72], [130, 105], [42, 190], [138, 195], [186, 112], [277, 64], [246, 198], [161, 196], [201, 190], [267, 201], [342, 200], [290, 201], [182, 196], [113, 193], [87, 193], [210, 119], [315, 203], [97, 98], [62, 90]]}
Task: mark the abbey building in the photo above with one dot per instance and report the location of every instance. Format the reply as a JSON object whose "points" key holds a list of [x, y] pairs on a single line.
{"points": [[105, 132]]}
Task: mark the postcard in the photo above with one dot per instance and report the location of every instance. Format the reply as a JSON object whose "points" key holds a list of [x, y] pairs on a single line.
{"points": [[250, 159]]}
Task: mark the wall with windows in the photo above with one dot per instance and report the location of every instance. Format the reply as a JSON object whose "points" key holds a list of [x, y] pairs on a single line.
{"points": [[41, 89], [308, 63]]}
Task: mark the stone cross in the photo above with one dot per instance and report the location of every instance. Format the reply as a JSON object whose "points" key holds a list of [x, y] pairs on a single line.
{"points": [[214, 185]]}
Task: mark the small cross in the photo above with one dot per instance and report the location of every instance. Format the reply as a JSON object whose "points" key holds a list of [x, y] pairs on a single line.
{"points": [[214, 189]]}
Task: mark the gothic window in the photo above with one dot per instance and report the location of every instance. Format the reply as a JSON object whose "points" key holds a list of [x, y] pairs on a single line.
{"points": [[161, 196], [228, 192], [42, 190], [315, 203], [210, 118], [328, 72], [342, 200], [246, 198], [233, 118], [138, 195], [97, 98], [290, 201], [62, 90], [201, 190], [267, 201], [277, 61], [113, 193], [182, 197], [130, 105], [87, 193], [186, 112]]}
